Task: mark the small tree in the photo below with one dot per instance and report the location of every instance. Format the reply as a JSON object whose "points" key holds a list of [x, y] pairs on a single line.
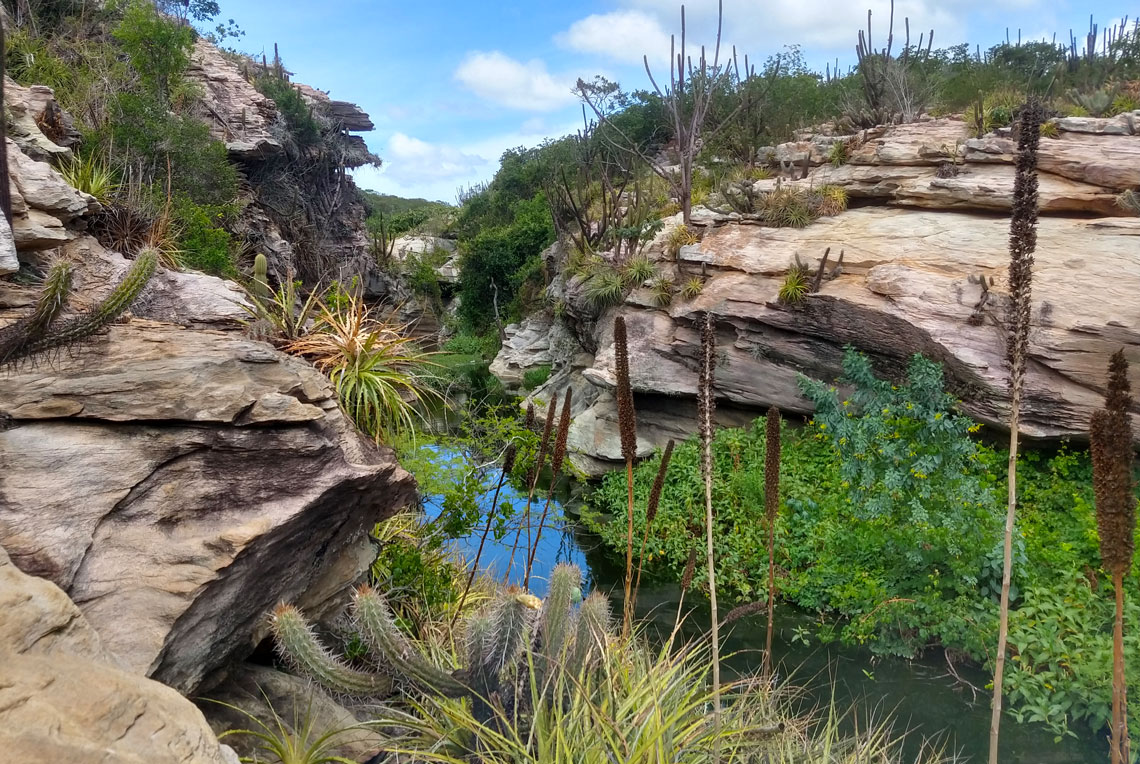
{"points": [[687, 99]]}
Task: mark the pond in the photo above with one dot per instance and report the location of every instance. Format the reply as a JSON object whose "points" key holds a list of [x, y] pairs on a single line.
{"points": [[927, 697]]}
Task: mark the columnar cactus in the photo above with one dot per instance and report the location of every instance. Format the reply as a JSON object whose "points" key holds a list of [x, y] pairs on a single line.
{"points": [[496, 639], [260, 289], [42, 331]]}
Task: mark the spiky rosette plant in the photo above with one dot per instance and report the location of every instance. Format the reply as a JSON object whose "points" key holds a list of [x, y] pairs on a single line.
{"points": [[556, 459], [44, 330], [627, 429], [1110, 435], [771, 508], [1022, 243]]}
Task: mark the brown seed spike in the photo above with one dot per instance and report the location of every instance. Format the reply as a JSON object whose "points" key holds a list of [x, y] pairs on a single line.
{"points": [[530, 420], [1023, 238], [563, 434], [544, 443], [1111, 446], [658, 485], [627, 417], [510, 453], [772, 465]]}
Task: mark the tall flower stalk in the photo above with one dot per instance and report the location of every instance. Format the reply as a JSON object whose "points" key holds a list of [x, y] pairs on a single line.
{"points": [[556, 460], [627, 427], [1022, 243], [706, 404], [771, 508], [532, 482], [1110, 434], [651, 510]]}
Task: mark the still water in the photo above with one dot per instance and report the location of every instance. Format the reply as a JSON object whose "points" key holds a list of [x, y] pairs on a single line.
{"points": [[924, 696]]}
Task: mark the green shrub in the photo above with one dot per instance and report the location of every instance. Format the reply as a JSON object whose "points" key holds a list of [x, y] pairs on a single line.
{"points": [[157, 47], [536, 377], [485, 346], [203, 241], [298, 114]]}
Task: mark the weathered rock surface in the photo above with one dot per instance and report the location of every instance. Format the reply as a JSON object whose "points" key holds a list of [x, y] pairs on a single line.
{"points": [[63, 696], [9, 263], [42, 202], [32, 110], [237, 113], [179, 483], [1108, 160], [65, 708]]}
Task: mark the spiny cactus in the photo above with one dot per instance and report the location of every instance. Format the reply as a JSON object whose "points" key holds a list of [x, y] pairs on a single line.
{"points": [[299, 647], [495, 640], [260, 288], [43, 331]]}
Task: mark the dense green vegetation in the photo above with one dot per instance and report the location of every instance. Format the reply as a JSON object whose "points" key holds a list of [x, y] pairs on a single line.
{"points": [[889, 530]]}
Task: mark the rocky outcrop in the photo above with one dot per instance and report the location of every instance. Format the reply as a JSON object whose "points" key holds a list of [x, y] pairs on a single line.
{"points": [[237, 113], [64, 698], [42, 202], [178, 483], [33, 110], [916, 244], [9, 262]]}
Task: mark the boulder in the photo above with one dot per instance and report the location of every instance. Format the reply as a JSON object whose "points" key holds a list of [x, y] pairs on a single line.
{"points": [[914, 143], [178, 483], [237, 113], [8, 261], [32, 110], [526, 346], [42, 202], [40, 619], [966, 187], [67, 708], [64, 697]]}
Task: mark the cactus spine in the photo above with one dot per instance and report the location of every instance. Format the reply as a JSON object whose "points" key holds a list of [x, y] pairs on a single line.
{"points": [[301, 649], [496, 640], [260, 288], [42, 332]]}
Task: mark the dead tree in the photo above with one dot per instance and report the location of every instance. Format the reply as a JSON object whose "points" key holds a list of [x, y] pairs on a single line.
{"points": [[687, 99]]}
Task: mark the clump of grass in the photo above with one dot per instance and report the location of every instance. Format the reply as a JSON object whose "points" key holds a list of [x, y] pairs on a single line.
{"points": [[637, 271], [300, 742], [662, 289], [1129, 201], [839, 153], [604, 288], [681, 236], [91, 175], [795, 286], [788, 208], [692, 287], [832, 200], [1050, 129]]}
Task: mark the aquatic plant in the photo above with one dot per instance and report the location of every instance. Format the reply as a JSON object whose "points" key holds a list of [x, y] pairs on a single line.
{"points": [[1110, 434], [1022, 243], [43, 330]]}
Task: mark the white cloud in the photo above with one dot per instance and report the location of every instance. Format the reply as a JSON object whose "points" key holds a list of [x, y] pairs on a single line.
{"points": [[762, 27], [417, 168], [502, 80], [623, 36]]}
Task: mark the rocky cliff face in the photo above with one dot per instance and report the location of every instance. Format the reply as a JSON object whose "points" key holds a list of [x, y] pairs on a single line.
{"points": [[163, 485], [926, 225]]}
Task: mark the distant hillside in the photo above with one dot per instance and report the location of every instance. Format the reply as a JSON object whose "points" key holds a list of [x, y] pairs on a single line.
{"points": [[395, 205]]}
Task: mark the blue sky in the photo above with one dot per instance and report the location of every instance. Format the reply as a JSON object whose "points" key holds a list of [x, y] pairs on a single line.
{"points": [[451, 85]]}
